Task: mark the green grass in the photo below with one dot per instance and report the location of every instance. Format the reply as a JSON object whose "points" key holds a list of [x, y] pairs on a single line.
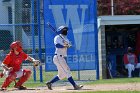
{"points": [[115, 80], [30, 83], [48, 75]]}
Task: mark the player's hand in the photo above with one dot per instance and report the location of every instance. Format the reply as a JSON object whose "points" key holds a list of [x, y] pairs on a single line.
{"points": [[36, 62], [67, 45]]}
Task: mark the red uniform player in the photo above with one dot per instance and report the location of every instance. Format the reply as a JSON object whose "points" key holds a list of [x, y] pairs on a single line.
{"points": [[12, 66]]}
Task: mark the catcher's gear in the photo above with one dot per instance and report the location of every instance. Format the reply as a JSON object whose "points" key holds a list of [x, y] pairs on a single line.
{"points": [[1, 75], [17, 45], [6, 70], [24, 78], [36, 62], [8, 80]]}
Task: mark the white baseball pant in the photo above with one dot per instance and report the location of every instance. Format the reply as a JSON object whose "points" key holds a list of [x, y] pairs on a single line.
{"points": [[131, 68], [62, 67]]}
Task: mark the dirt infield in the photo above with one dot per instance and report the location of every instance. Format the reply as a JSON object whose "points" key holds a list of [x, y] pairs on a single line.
{"points": [[98, 87]]}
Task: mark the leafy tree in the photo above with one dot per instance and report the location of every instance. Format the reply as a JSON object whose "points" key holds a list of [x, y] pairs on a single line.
{"points": [[121, 7]]}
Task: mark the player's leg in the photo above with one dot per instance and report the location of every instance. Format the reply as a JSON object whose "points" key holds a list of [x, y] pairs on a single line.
{"points": [[71, 80], [25, 76], [1, 74], [66, 72], [11, 77], [63, 71], [76, 87], [49, 84], [138, 67], [130, 68], [60, 64], [55, 78]]}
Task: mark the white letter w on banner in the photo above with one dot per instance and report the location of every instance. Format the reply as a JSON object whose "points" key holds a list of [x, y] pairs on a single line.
{"points": [[74, 14]]}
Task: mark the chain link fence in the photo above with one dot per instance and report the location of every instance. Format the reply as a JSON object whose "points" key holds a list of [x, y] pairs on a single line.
{"points": [[22, 20]]}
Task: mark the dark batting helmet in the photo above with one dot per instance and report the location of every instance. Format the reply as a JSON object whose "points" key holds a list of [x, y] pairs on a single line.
{"points": [[129, 49], [62, 29]]}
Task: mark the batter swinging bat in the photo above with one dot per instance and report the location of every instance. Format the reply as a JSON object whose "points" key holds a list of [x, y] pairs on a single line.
{"points": [[54, 30]]}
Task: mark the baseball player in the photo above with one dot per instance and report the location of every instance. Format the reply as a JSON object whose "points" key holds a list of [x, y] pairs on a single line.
{"points": [[61, 44], [131, 61], [12, 66]]}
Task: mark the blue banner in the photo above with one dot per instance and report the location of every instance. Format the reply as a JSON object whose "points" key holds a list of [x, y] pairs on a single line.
{"points": [[79, 16]]}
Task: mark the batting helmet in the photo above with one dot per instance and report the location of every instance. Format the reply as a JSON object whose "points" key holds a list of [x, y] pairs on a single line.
{"points": [[61, 29], [17, 45]]}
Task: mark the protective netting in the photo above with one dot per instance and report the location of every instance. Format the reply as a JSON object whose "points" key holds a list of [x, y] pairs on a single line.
{"points": [[22, 20]]}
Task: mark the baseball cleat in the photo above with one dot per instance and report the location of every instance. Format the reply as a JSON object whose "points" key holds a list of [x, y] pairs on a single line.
{"points": [[21, 87], [78, 87], [49, 85], [3, 89]]}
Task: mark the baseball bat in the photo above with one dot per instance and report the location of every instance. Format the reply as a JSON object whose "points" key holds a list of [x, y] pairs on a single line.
{"points": [[53, 29]]}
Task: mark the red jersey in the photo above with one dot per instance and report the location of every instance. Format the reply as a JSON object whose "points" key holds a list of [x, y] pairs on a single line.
{"points": [[15, 61], [129, 58]]}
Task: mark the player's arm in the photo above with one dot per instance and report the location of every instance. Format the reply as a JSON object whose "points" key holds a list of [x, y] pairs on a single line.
{"points": [[5, 63], [59, 43], [67, 44], [61, 46], [34, 61], [27, 57], [6, 67], [30, 58]]}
